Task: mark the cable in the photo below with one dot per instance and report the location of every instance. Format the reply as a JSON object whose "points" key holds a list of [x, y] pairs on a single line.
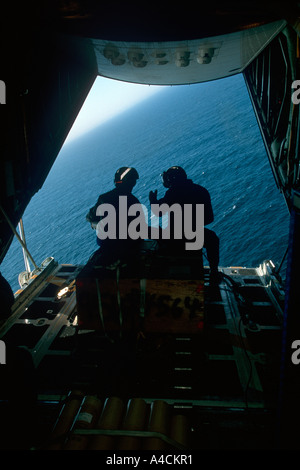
{"points": [[276, 272], [18, 237]]}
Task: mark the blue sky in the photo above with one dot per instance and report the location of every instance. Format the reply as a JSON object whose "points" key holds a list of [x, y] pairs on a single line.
{"points": [[106, 99]]}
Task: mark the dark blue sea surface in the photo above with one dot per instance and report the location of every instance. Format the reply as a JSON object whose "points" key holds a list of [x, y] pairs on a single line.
{"points": [[209, 129]]}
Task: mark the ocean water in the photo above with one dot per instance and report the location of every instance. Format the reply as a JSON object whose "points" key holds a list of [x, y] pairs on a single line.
{"points": [[210, 130]]}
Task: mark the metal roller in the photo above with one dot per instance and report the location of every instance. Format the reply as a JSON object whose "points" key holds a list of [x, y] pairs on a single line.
{"points": [[110, 419], [159, 422], [135, 420], [180, 430], [86, 419], [65, 420]]}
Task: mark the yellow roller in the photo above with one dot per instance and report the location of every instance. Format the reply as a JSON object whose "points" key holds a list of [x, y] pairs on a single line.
{"points": [[135, 420], [86, 419], [110, 419], [180, 430], [159, 422], [65, 420]]}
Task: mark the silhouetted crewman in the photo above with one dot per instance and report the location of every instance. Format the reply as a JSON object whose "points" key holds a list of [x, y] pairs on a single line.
{"points": [[116, 245], [181, 190]]}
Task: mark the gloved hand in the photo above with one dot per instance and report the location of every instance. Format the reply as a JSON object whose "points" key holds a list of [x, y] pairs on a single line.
{"points": [[90, 217], [153, 197]]}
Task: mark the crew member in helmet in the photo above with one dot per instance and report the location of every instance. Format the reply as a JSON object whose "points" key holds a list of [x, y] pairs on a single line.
{"points": [[181, 190], [112, 249]]}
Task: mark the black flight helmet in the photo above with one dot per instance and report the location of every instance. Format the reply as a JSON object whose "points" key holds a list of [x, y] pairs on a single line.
{"points": [[126, 176], [173, 176]]}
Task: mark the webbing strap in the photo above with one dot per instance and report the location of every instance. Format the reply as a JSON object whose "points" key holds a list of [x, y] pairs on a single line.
{"points": [[100, 305], [119, 298], [142, 297]]}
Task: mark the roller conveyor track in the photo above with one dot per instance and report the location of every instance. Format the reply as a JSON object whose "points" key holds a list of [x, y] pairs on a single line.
{"points": [[230, 368]]}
